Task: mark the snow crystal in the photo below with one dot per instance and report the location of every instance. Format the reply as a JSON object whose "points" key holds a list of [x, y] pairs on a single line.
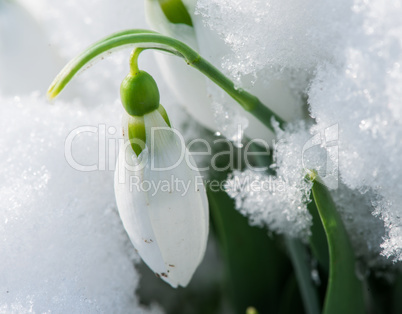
{"points": [[279, 34], [279, 201], [366, 230], [63, 246], [271, 201], [361, 93]]}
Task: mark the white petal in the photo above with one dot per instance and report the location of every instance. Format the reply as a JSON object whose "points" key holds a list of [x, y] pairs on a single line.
{"points": [[176, 221], [134, 211], [180, 218]]}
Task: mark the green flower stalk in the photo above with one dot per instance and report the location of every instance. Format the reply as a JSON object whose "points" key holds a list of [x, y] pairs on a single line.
{"points": [[151, 40]]}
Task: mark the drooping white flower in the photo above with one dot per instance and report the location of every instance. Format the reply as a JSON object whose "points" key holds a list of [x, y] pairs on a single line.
{"points": [[162, 201], [190, 87]]}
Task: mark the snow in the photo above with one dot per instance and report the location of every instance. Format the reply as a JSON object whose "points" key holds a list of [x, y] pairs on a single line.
{"points": [[63, 246], [345, 56], [280, 200], [364, 88], [276, 34]]}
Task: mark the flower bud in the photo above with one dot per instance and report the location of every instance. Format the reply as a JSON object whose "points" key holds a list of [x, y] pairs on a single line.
{"points": [[139, 94]]}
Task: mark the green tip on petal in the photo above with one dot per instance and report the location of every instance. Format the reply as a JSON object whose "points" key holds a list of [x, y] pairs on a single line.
{"points": [[49, 94], [52, 91], [139, 94], [137, 130], [175, 12], [164, 115], [137, 134]]}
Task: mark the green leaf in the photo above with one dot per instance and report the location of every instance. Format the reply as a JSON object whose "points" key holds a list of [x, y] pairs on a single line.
{"points": [[256, 266], [256, 270], [345, 290], [290, 301], [300, 259], [318, 239], [298, 254], [397, 303]]}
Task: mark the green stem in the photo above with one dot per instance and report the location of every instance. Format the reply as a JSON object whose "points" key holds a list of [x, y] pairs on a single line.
{"points": [[152, 40], [134, 70], [299, 258]]}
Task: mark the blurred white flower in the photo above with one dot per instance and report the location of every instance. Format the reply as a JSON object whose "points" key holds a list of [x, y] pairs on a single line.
{"points": [[162, 201], [191, 88]]}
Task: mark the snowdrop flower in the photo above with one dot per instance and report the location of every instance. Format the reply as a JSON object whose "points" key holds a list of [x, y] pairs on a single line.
{"points": [[190, 87], [160, 195]]}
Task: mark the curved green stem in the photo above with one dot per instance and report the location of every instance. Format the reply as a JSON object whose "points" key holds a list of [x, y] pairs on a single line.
{"points": [[134, 61], [151, 40]]}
